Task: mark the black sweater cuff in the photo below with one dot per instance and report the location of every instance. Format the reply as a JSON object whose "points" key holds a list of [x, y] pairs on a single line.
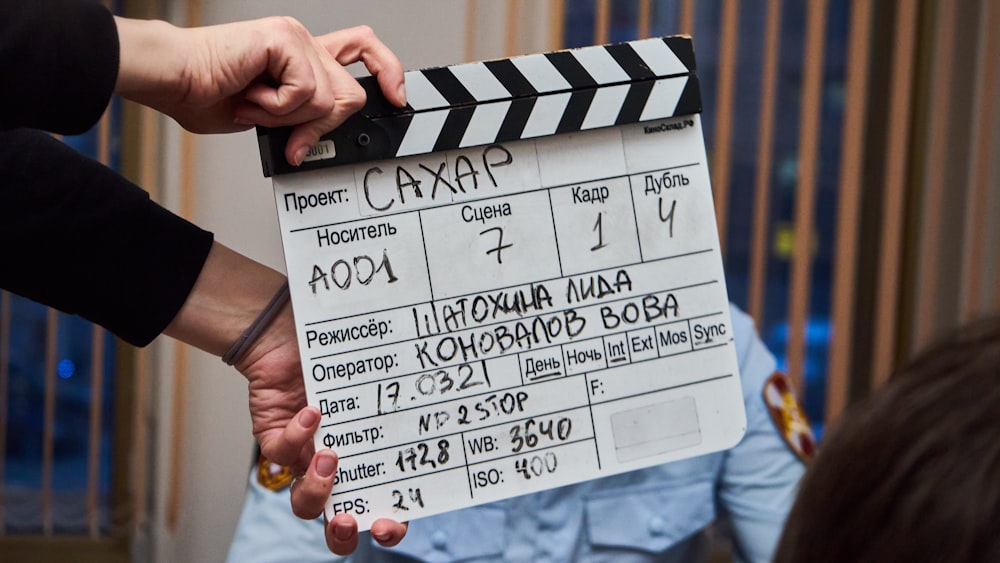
{"points": [[80, 238], [58, 64]]}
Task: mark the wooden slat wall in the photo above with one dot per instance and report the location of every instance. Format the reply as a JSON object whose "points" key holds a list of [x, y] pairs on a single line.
{"points": [[935, 172], [602, 22], [848, 209], [148, 159], [686, 17], [512, 28], [978, 294], [897, 162], [958, 266], [765, 157], [726, 93], [5, 316], [645, 18], [805, 190], [49, 418], [188, 161], [556, 19]]}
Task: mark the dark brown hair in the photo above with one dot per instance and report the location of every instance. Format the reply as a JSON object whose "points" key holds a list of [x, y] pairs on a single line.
{"points": [[913, 472]]}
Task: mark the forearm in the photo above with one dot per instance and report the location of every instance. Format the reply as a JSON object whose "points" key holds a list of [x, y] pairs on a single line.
{"points": [[230, 293], [151, 61]]}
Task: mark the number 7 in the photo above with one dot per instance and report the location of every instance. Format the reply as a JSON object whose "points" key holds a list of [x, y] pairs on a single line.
{"points": [[500, 245]]}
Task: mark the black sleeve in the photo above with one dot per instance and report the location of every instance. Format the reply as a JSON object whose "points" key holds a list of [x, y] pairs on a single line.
{"points": [[58, 64], [78, 237]]}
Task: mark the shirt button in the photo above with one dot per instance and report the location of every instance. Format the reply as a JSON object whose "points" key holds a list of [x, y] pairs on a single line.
{"points": [[439, 540], [657, 526]]}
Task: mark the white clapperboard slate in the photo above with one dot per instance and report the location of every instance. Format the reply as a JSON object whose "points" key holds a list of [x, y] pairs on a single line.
{"points": [[512, 284]]}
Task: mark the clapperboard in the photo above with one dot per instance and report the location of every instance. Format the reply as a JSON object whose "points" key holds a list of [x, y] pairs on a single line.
{"points": [[512, 284]]}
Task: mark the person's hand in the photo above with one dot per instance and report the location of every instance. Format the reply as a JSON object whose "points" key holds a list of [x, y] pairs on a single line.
{"points": [[229, 294], [286, 434], [269, 72], [342, 533]]}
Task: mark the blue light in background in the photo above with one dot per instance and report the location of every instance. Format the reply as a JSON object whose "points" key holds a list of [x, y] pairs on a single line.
{"points": [[66, 368]]}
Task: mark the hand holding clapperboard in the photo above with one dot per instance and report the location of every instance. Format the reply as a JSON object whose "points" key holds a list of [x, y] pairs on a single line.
{"points": [[512, 284]]}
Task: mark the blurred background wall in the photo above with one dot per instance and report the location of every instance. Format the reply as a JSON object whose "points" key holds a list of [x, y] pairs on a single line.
{"points": [[854, 149]]}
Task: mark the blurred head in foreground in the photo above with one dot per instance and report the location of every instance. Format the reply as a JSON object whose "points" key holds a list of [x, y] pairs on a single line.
{"points": [[913, 472]]}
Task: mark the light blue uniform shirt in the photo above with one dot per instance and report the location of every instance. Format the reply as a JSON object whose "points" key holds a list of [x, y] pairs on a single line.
{"points": [[654, 514]]}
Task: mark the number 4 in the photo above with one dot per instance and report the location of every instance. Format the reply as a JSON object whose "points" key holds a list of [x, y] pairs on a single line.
{"points": [[670, 215]]}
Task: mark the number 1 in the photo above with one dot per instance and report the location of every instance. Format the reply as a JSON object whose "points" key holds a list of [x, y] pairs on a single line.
{"points": [[599, 227]]}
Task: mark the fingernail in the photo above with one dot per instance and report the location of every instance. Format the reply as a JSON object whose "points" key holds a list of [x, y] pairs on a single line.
{"points": [[308, 417], [383, 537], [402, 93], [343, 531], [325, 465], [300, 155]]}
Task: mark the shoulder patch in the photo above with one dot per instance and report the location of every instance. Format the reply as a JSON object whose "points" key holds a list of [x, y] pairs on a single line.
{"points": [[788, 416], [271, 475]]}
